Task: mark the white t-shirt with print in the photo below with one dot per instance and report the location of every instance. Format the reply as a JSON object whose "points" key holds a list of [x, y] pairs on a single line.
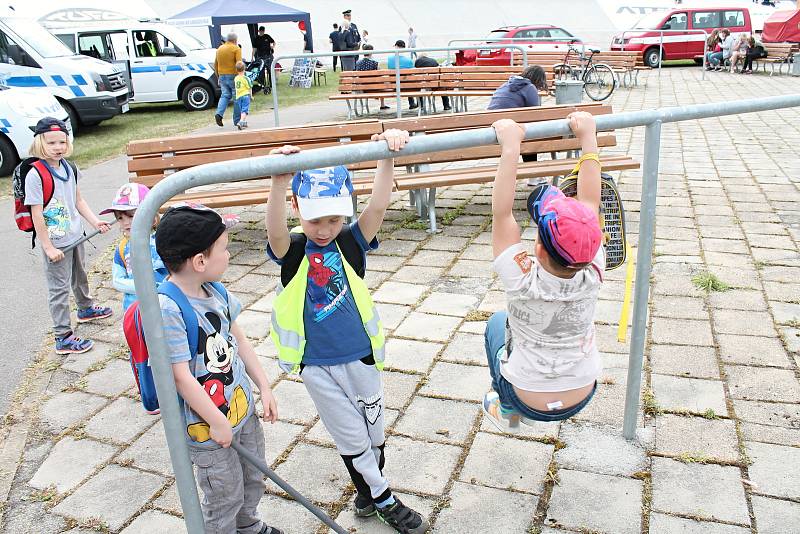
{"points": [[552, 323]]}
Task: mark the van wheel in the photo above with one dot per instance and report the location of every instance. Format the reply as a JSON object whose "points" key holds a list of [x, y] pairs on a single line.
{"points": [[74, 121], [8, 156], [198, 96], [651, 58]]}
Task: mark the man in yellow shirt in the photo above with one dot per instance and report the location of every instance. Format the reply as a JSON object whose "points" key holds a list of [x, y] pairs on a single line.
{"points": [[228, 55]]}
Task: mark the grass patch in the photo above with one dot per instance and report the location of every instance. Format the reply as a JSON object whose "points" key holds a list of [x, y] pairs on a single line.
{"points": [[708, 281], [649, 404], [109, 139], [44, 495]]}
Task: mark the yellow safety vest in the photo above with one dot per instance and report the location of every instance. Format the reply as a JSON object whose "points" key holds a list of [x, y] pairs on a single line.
{"points": [[288, 329]]}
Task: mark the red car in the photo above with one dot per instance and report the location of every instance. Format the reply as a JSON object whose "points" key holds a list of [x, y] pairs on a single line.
{"points": [[539, 38]]}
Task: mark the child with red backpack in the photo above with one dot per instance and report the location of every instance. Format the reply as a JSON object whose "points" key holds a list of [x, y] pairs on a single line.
{"points": [[49, 203], [126, 201]]}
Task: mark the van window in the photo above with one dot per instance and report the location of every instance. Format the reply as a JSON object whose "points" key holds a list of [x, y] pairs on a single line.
{"points": [[677, 21], [149, 43], [94, 45], [702, 20], [68, 39], [10, 52], [733, 19]]}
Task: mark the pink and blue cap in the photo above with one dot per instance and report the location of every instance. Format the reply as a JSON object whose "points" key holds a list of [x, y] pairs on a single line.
{"points": [[568, 229], [128, 198]]}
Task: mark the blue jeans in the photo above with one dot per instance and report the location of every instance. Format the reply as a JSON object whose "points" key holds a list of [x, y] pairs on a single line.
{"points": [[228, 92], [495, 340], [244, 104], [715, 58]]}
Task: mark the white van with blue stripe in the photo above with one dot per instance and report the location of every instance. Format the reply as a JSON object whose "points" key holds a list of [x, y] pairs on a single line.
{"points": [[30, 57], [164, 63], [20, 110]]}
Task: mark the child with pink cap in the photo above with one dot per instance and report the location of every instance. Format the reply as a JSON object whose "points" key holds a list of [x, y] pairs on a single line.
{"points": [[542, 353], [126, 201]]}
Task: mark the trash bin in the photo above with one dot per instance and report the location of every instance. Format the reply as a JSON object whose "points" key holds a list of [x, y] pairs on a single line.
{"points": [[796, 65], [569, 91]]}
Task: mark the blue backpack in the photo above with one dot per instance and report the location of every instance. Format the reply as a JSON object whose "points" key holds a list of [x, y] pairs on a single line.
{"points": [[134, 335]]}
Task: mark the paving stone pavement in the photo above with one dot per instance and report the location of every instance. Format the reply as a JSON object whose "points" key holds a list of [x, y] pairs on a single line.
{"points": [[719, 438]]}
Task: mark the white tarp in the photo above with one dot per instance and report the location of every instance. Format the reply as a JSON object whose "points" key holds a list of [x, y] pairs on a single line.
{"points": [[53, 13]]}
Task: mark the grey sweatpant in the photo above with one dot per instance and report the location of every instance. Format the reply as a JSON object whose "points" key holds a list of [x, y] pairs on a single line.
{"points": [[232, 488], [349, 399], [60, 276]]}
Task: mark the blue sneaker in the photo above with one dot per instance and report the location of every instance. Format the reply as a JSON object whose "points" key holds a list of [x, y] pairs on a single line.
{"points": [[70, 344], [95, 312], [504, 420]]}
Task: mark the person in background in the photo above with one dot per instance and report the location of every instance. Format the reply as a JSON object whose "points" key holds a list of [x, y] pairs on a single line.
{"points": [[337, 42], [521, 91], [228, 55], [717, 59], [424, 61], [412, 42], [244, 92], [350, 43], [755, 51], [404, 63], [367, 63], [364, 39], [712, 45], [264, 45], [348, 16], [740, 48]]}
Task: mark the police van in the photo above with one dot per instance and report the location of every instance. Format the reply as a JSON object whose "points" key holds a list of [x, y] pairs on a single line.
{"points": [[20, 110], [164, 63], [90, 90]]}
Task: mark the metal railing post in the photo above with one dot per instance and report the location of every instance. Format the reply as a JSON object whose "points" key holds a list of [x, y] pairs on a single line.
{"points": [[397, 84], [644, 261], [162, 370]]}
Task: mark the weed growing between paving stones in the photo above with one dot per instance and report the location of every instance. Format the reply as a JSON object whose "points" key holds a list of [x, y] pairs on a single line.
{"points": [[94, 523], [46, 495], [476, 316], [649, 404], [708, 281]]}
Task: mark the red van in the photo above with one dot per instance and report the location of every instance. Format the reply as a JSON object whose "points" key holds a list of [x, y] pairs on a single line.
{"points": [[688, 44]]}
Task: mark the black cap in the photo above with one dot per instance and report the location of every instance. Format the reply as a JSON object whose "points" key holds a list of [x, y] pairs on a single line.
{"points": [[346, 12], [188, 230], [50, 124]]}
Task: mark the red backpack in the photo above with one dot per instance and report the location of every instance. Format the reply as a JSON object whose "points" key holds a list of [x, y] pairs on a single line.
{"points": [[22, 213]]}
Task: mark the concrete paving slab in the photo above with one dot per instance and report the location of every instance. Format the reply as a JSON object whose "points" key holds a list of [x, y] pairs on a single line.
{"points": [[65, 409], [679, 525], [476, 506], [704, 491], [758, 383], [596, 502], [154, 522], [769, 469], [70, 462], [455, 381], [411, 355], [695, 395], [438, 420], [522, 466], [697, 437], [433, 464], [114, 495], [599, 449], [773, 515]]}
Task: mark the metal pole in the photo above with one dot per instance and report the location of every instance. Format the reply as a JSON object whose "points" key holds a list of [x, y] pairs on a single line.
{"points": [[162, 370], [397, 84], [250, 168], [87, 237], [261, 465], [374, 52], [644, 260]]}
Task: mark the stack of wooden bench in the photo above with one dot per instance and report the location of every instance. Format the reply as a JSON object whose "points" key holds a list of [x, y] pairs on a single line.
{"points": [[152, 160], [778, 54], [626, 65], [357, 88]]}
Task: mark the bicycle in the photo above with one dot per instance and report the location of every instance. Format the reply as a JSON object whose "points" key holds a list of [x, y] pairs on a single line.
{"points": [[598, 78]]}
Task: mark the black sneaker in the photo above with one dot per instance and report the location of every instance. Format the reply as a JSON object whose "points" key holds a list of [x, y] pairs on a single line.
{"points": [[218, 118], [363, 506], [266, 529], [402, 518]]}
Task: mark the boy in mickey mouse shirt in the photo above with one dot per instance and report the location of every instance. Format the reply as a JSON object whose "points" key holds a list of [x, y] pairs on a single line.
{"points": [[213, 387]]}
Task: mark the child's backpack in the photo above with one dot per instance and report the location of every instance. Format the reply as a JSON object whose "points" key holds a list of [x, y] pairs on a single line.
{"points": [[22, 213], [134, 335]]}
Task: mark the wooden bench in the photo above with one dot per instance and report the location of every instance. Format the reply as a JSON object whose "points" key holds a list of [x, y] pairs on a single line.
{"points": [[625, 64], [779, 54], [356, 88], [152, 160]]}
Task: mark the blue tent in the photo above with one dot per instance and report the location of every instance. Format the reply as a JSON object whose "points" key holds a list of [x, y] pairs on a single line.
{"points": [[215, 13]]}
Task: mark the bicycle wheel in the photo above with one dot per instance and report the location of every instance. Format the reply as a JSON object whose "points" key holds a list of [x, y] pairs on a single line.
{"points": [[562, 71], [599, 82]]}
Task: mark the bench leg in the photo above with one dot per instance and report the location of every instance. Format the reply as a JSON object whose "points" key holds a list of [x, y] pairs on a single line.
{"points": [[349, 110], [432, 210]]}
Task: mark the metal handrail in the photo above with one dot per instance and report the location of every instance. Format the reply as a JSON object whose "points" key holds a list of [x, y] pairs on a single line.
{"points": [[661, 44], [250, 168], [397, 53]]}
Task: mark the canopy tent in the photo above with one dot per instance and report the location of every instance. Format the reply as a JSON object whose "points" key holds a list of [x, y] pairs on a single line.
{"points": [[781, 27], [215, 13]]}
